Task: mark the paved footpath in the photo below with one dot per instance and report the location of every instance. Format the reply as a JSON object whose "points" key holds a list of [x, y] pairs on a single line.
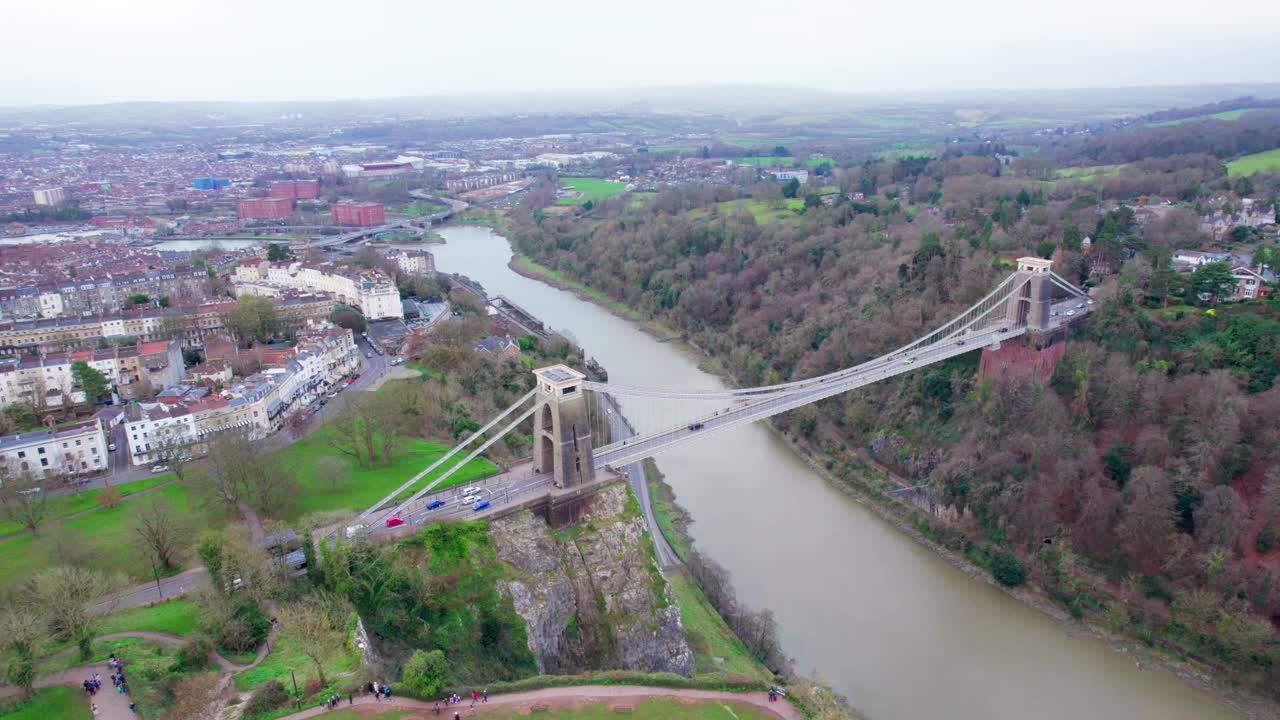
{"points": [[616, 696]]}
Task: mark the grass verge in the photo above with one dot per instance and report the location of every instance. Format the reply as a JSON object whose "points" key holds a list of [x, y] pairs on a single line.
{"points": [[176, 617], [51, 703]]}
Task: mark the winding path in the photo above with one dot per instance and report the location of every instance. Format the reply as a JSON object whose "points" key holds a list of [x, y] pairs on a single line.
{"points": [[617, 696]]}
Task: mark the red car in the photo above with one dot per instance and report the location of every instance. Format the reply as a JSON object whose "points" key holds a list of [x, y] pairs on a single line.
{"points": [[394, 521], [350, 380]]}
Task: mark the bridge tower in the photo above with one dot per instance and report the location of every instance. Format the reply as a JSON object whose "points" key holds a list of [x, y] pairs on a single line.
{"points": [[1033, 301], [561, 432]]}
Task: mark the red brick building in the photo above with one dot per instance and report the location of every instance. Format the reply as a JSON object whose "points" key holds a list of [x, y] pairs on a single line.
{"points": [[264, 208], [296, 189], [357, 213]]}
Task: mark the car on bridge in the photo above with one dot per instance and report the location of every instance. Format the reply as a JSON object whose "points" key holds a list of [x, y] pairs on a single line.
{"points": [[470, 499], [696, 426], [908, 361], [435, 504], [480, 505], [394, 521]]}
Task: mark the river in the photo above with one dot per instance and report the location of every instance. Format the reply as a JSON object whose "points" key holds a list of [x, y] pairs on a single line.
{"points": [[903, 634]]}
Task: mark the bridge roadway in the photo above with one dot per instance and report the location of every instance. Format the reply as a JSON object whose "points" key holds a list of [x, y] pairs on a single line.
{"points": [[619, 454]]}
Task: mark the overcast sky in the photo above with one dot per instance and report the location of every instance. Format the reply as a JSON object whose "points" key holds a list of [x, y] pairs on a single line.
{"points": [[91, 51]]}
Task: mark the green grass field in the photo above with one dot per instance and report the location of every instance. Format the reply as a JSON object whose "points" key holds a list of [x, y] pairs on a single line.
{"points": [[64, 505], [364, 486], [1224, 115], [593, 189], [179, 617], [766, 161], [131, 649], [1258, 162], [764, 212], [422, 207], [105, 535], [285, 656], [1089, 173], [51, 703]]}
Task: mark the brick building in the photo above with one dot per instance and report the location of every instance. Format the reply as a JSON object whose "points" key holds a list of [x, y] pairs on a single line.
{"points": [[296, 189], [264, 208], [358, 213]]}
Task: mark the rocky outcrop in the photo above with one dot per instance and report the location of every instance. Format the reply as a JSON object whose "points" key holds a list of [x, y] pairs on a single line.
{"points": [[591, 595]]}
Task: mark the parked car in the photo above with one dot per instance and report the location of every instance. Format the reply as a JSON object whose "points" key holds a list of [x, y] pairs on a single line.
{"points": [[394, 521], [480, 505], [435, 504], [332, 395], [157, 469]]}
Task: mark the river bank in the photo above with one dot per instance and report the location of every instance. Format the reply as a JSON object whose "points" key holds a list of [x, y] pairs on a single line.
{"points": [[905, 518]]}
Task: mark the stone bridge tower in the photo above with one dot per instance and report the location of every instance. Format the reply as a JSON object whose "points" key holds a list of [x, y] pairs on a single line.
{"points": [[1034, 300], [561, 432]]}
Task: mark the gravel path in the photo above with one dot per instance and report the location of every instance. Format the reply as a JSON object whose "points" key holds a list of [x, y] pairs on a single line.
{"points": [[571, 696]]}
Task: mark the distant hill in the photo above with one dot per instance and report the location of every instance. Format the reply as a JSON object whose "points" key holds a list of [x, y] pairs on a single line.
{"points": [[742, 101]]}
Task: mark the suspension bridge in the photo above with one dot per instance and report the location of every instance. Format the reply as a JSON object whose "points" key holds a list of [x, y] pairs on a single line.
{"points": [[579, 428]]}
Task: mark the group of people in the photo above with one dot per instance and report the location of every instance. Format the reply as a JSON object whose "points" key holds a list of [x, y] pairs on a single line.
{"points": [[477, 696], [94, 683]]}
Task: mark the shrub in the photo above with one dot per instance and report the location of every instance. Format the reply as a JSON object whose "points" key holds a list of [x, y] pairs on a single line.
{"points": [[425, 672], [194, 655], [1266, 538], [265, 699], [1007, 569]]}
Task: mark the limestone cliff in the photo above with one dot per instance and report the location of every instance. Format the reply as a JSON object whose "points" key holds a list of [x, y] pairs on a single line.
{"points": [[591, 595]]}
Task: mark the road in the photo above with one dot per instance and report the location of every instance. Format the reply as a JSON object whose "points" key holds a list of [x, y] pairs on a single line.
{"points": [[500, 490], [634, 472]]}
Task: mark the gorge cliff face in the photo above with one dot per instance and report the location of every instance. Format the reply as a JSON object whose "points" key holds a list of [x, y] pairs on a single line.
{"points": [[591, 595]]}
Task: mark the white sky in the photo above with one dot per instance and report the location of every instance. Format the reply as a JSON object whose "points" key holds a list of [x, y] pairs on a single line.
{"points": [[89, 51]]}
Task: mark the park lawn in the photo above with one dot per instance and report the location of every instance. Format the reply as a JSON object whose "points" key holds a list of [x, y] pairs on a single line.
{"points": [[131, 649], [1086, 174], [51, 703], [421, 208], [764, 212], [106, 535], [709, 636], [1224, 115], [285, 656], [766, 161], [176, 617], [364, 486], [424, 370], [593, 189], [64, 505], [1257, 162]]}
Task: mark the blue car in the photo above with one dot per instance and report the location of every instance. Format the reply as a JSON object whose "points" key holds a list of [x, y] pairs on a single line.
{"points": [[480, 505], [434, 504]]}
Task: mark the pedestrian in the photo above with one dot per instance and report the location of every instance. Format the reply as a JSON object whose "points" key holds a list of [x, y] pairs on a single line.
{"points": [[351, 698], [94, 709], [457, 716], [133, 707], [486, 694], [436, 709]]}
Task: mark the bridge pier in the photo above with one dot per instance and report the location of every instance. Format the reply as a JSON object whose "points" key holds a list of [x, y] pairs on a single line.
{"points": [[562, 433]]}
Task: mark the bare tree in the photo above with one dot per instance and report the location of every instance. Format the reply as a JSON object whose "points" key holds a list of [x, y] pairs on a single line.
{"points": [[343, 433], [65, 597], [310, 627], [23, 500], [332, 469], [229, 469], [159, 531], [174, 447], [22, 630]]}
